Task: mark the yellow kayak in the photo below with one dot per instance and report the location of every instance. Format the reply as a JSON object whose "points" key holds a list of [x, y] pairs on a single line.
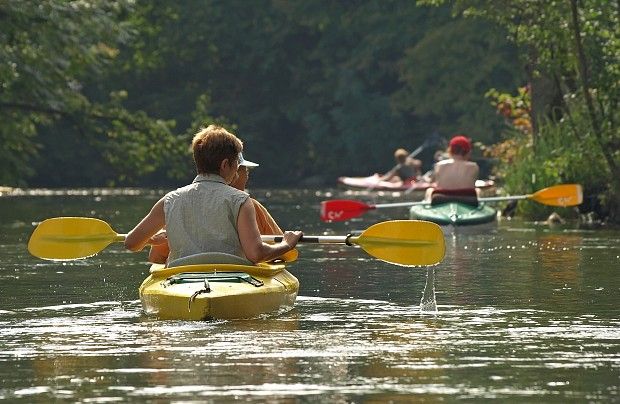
{"points": [[217, 291]]}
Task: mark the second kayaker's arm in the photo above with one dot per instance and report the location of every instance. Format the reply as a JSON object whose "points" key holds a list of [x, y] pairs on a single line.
{"points": [[254, 248]]}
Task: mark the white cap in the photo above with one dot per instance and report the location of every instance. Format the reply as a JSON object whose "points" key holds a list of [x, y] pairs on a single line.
{"points": [[246, 163]]}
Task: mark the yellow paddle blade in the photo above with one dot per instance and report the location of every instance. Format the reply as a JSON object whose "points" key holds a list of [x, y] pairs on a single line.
{"points": [[289, 256], [65, 238], [560, 195], [404, 242]]}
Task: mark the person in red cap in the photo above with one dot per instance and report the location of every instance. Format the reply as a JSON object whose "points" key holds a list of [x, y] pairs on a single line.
{"points": [[456, 175]]}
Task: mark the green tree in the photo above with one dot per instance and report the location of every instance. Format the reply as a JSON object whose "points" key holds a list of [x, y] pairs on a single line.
{"points": [[49, 52], [338, 85], [448, 71], [571, 51], [319, 78]]}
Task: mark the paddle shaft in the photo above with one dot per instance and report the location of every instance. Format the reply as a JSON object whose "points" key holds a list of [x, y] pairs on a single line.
{"points": [[275, 239], [407, 204], [504, 198], [417, 151], [279, 238], [412, 187], [431, 140], [119, 238], [311, 239]]}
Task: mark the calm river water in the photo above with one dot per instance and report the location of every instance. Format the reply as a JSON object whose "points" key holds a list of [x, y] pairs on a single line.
{"points": [[516, 312]]}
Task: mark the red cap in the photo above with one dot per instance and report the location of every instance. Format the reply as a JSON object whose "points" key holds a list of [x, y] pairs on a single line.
{"points": [[460, 142]]}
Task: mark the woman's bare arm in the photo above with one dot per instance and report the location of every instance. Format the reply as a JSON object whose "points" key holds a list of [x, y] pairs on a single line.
{"points": [[141, 234]]}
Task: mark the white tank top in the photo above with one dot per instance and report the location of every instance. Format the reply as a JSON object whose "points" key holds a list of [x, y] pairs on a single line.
{"points": [[202, 217]]}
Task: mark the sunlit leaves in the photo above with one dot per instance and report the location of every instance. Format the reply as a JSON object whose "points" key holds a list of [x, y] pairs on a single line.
{"points": [[576, 46]]}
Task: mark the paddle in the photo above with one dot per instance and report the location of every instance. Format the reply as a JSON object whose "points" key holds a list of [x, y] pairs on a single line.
{"points": [[67, 238], [558, 195], [431, 140], [401, 242]]}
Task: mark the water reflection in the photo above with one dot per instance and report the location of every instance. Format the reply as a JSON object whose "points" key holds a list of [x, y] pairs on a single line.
{"points": [[521, 313], [326, 346]]}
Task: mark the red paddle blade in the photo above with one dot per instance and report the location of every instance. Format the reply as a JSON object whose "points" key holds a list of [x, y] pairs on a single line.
{"points": [[339, 210]]}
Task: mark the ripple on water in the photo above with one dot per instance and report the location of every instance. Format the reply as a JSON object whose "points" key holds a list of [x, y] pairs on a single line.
{"points": [[523, 314], [326, 338]]}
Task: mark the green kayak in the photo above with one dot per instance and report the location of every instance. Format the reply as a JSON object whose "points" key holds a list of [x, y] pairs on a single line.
{"points": [[454, 213]]}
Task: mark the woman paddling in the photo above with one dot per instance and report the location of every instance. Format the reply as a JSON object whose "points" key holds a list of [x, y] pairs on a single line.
{"points": [[160, 249], [406, 169], [208, 215]]}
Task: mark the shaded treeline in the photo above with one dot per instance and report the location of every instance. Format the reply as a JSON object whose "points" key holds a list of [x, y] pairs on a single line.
{"points": [[111, 93]]}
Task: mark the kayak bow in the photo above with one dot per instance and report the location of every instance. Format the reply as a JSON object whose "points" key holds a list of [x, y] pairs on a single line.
{"points": [[217, 291]]}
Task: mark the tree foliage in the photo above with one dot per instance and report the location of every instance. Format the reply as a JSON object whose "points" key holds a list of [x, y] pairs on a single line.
{"points": [[50, 51], [571, 50], [322, 88]]}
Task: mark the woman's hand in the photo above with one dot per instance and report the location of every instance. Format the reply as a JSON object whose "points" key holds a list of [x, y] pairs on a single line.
{"points": [[291, 238], [159, 238]]}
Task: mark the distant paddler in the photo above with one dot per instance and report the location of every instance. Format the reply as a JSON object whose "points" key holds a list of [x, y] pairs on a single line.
{"points": [[407, 168], [455, 176]]}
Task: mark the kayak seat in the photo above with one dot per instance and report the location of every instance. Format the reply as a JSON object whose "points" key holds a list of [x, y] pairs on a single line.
{"points": [[467, 196], [200, 277], [209, 258]]}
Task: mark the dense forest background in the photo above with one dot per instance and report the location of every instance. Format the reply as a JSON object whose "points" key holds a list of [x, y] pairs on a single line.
{"points": [[109, 92]]}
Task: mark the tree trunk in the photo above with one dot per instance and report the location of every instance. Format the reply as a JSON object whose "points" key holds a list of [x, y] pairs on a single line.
{"points": [[534, 109], [585, 85]]}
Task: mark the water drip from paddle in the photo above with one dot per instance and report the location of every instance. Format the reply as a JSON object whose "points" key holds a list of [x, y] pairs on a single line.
{"points": [[428, 302]]}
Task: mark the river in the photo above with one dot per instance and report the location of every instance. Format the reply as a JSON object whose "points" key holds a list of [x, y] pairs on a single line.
{"points": [[515, 312]]}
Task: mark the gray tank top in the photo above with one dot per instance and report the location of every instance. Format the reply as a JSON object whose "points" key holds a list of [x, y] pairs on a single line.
{"points": [[202, 217]]}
